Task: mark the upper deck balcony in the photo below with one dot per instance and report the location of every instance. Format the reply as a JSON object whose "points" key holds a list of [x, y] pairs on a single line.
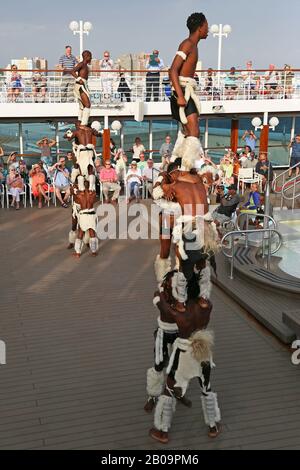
{"points": [[115, 93]]}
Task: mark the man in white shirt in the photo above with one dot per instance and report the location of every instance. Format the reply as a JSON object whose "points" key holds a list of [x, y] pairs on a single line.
{"points": [[148, 176], [133, 181], [106, 77]]}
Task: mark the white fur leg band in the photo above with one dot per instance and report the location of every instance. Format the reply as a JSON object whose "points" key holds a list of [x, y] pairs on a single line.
{"points": [[78, 246], [179, 287], [211, 410], [85, 116], [205, 283], [94, 244], [164, 412], [155, 382], [161, 267], [72, 237], [191, 152]]}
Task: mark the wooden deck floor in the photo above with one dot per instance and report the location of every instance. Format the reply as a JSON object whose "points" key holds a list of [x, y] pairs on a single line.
{"points": [[79, 341]]}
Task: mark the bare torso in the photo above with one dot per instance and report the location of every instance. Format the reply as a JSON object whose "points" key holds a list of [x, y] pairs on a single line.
{"points": [[193, 318], [166, 311], [189, 66], [86, 199], [83, 136]]}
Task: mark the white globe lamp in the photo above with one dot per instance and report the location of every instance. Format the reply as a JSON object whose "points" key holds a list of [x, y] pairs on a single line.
{"points": [[274, 121], [116, 125], [74, 26], [87, 26], [214, 29], [256, 122], [227, 29], [96, 126]]}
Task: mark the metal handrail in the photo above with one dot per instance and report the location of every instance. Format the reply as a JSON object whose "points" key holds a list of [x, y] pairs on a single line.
{"points": [[264, 216], [287, 185], [270, 252], [274, 187]]}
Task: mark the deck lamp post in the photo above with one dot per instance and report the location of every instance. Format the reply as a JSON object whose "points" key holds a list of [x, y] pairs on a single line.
{"points": [[265, 127], [220, 31], [81, 28]]}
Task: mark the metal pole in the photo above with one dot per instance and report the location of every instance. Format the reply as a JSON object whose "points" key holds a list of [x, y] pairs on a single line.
{"points": [[150, 137], [220, 52], [269, 251], [81, 37], [21, 138], [232, 257], [206, 134]]}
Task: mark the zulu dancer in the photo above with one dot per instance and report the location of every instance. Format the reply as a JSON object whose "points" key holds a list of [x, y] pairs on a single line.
{"points": [[165, 335], [193, 232], [86, 219], [85, 153], [74, 225], [185, 105], [81, 92], [191, 357]]}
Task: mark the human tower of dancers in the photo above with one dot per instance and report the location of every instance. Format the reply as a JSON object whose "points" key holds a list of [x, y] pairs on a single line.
{"points": [[183, 344]]}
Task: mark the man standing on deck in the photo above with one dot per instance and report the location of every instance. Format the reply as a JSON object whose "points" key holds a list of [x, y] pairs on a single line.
{"points": [[185, 105], [67, 62], [81, 91]]}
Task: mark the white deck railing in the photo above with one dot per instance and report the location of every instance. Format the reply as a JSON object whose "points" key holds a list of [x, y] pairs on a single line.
{"points": [[107, 89]]}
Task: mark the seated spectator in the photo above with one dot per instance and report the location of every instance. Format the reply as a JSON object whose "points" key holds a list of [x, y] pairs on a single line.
{"points": [[39, 85], [15, 186], [61, 180], [12, 160], [148, 176], [3, 174], [1, 156], [133, 180], [264, 168], [142, 163], [24, 173], [245, 156], [166, 148], [137, 148], [121, 160], [165, 161], [251, 160], [15, 84], [253, 202], [113, 148], [70, 161], [123, 88], [228, 204], [38, 184], [226, 166], [109, 180], [98, 167]]}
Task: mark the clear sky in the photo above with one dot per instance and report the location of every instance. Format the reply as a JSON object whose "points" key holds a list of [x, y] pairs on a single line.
{"points": [[266, 32]]}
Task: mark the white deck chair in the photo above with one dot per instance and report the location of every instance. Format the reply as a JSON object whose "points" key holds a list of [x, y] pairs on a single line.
{"points": [[23, 194]]}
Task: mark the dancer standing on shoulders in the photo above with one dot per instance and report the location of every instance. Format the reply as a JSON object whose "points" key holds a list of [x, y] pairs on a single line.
{"points": [[81, 91], [185, 105]]}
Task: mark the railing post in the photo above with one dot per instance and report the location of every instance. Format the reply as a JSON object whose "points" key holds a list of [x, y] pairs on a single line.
{"points": [[232, 257]]}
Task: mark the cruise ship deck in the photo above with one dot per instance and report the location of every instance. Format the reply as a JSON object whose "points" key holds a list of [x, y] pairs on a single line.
{"points": [[79, 338]]}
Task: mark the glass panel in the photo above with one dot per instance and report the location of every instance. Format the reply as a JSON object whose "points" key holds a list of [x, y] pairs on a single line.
{"points": [[133, 129], [279, 140], [219, 131], [9, 138], [160, 129], [32, 133], [297, 125]]}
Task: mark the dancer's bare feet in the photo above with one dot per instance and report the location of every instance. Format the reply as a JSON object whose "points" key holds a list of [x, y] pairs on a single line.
{"points": [[159, 436], [94, 254], [179, 306], [76, 255], [70, 246]]}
